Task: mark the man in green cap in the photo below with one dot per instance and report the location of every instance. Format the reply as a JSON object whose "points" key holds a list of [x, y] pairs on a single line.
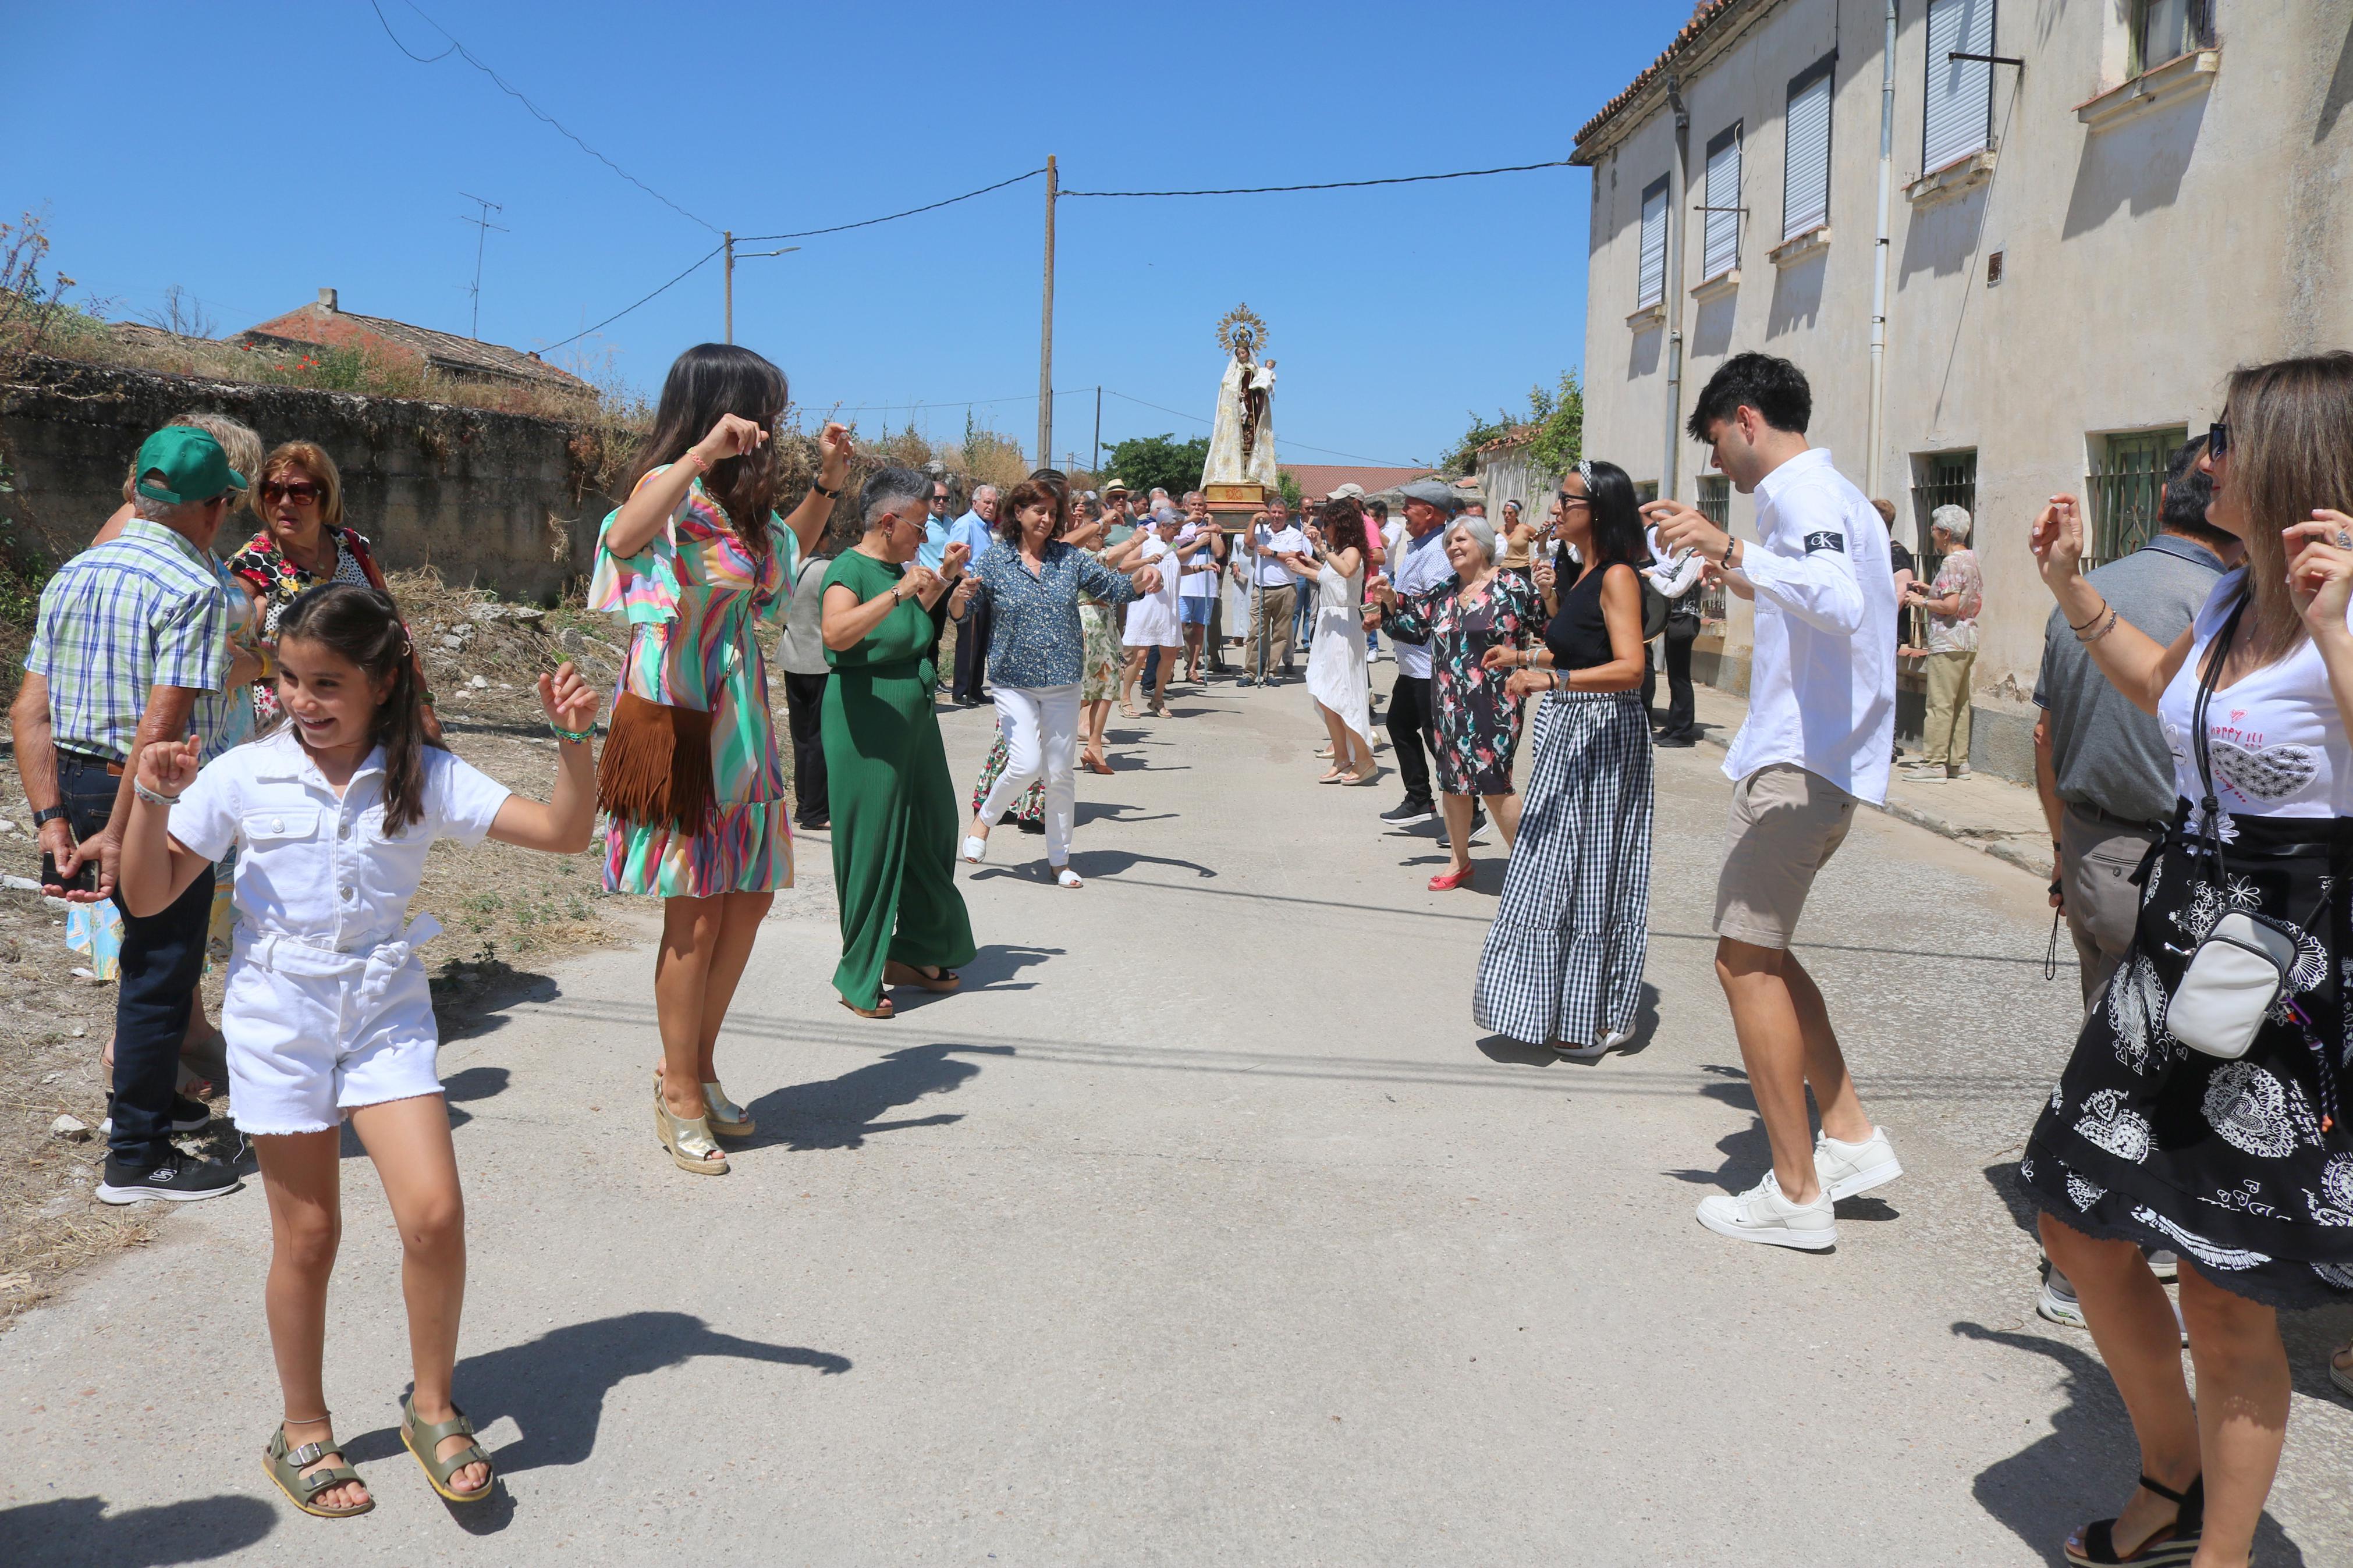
{"points": [[132, 639]]}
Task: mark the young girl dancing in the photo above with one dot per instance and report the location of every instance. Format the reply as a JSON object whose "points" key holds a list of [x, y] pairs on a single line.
{"points": [[328, 1014]]}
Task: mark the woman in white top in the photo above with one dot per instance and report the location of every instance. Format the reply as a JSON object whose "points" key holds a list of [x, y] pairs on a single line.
{"points": [[1337, 675], [2243, 1165], [1154, 619]]}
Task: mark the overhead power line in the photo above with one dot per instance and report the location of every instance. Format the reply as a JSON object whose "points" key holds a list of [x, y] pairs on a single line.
{"points": [[459, 49], [910, 211], [1336, 184], [627, 309]]}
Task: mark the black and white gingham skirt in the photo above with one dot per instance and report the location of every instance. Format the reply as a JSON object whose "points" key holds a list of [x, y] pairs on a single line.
{"points": [[1564, 959]]}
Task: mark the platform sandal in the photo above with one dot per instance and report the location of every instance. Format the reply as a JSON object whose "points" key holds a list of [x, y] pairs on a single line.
{"points": [[727, 1119], [421, 1437], [2168, 1546], [939, 980], [284, 1465], [688, 1140]]}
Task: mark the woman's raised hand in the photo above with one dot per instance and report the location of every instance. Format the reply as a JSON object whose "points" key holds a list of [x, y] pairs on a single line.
{"points": [[1527, 682], [2320, 570], [570, 702], [1500, 656], [1542, 576], [732, 437], [1147, 580], [835, 446], [2057, 542], [952, 560], [167, 768]]}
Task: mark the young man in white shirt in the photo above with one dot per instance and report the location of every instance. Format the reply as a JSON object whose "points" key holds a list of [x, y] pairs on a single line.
{"points": [[1821, 719]]}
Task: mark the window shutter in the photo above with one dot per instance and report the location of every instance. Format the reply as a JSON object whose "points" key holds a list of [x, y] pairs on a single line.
{"points": [[1806, 165], [1651, 280], [1720, 247], [1959, 115]]}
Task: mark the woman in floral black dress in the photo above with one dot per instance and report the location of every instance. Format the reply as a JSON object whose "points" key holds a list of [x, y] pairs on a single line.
{"points": [[2243, 1165], [1477, 722]]}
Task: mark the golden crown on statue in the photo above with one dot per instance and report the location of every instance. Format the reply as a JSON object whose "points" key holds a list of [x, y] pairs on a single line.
{"points": [[1241, 324]]}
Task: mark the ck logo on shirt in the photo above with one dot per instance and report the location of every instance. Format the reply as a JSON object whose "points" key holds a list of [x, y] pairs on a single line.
{"points": [[1826, 539]]}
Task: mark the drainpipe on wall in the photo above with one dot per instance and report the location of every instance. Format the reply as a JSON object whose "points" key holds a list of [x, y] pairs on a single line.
{"points": [[1677, 183], [1879, 254]]}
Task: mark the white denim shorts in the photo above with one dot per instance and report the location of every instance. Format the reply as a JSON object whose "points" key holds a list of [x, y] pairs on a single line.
{"points": [[313, 1034]]}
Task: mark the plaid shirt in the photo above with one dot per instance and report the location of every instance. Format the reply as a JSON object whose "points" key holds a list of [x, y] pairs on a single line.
{"points": [[143, 610]]}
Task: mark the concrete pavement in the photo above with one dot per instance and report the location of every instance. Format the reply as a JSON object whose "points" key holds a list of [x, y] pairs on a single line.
{"points": [[1201, 1227]]}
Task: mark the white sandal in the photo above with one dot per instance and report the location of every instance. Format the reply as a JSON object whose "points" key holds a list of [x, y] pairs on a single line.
{"points": [[1066, 878], [975, 849]]}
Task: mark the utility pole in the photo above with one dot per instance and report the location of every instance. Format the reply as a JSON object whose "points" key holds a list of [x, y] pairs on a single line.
{"points": [[482, 224], [728, 236], [1046, 329], [1097, 469]]}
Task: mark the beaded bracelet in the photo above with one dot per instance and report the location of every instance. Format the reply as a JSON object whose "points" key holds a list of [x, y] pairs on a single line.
{"points": [[2088, 638], [577, 737]]}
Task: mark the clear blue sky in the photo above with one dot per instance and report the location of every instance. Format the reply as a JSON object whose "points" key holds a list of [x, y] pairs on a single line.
{"points": [[280, 147]]}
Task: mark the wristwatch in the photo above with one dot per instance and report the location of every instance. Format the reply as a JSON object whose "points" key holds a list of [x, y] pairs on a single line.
{"points": [[48, 815]]}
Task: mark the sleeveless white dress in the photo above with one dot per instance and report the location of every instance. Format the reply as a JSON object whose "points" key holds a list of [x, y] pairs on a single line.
{"points": [[1338, 674]]}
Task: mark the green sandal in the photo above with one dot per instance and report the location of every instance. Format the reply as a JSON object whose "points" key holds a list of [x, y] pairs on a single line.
{"points": [[421, 1437], [284, 1465]]}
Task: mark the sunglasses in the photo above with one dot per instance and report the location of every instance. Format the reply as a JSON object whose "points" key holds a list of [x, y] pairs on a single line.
{"points": [[1568, 500], [301, 492], [2218, 439]]}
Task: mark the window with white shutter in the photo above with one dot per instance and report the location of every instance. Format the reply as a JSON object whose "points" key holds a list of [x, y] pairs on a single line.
{"points": [[1720, 241], [1650, 275], [1959, 115], [1806, 163]]}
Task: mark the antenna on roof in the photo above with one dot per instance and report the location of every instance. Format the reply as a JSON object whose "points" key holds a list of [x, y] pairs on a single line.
{"points": [[482, 224]]}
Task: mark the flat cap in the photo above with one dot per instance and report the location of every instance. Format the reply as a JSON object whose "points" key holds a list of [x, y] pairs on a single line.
{"points": [[1432, 492]]}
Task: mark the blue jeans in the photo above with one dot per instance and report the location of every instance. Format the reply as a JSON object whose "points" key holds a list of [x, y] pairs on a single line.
{"points": [[163, 958]]}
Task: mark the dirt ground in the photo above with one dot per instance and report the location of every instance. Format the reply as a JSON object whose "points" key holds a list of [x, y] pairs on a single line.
{"points": [[503, 911]]}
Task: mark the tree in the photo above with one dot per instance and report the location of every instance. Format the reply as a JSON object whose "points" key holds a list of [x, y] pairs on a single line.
{"points": [[1554, 423], [1287, 484], [1145, 462]]}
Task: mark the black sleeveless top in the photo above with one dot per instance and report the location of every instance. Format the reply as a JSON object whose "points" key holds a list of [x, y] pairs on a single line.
{"points": [[1578, 637]]}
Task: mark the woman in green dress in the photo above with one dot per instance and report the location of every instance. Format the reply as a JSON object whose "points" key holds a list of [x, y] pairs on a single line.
{"points": [[691, 780], [894, 806]]}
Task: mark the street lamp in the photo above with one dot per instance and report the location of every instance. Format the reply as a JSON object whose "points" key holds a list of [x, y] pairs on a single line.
{"points": [[730, 238]]}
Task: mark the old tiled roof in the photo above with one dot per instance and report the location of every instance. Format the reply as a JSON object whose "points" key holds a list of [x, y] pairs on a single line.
{"points": [[452, 355], [1517, 436], [1703, 19], [1322, 479]]}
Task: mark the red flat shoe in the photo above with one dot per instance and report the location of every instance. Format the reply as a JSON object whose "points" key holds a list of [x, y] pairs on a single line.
{"points": [[1447, 881]]}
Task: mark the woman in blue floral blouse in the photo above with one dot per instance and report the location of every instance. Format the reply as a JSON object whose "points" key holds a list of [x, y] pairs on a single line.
{"points": [[1033, 582], [1476, 721]]}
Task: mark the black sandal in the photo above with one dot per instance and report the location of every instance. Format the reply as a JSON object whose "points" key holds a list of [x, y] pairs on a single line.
{"points": [[2170, 1546]]}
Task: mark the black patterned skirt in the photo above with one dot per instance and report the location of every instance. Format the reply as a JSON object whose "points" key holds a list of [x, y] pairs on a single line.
{"points": [[2246, 1167]]}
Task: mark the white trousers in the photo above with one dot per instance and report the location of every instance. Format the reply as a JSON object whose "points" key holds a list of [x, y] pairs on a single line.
{"points": [[1041, 736]]}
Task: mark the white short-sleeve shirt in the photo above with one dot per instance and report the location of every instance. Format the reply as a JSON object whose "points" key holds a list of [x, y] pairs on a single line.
{"points": [[2275, 740], [320, 869]]}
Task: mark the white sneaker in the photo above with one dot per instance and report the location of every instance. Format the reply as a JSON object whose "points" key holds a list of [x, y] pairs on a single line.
{"points": [[1845, 1170], [2056, 1302], [1762, 1213]]}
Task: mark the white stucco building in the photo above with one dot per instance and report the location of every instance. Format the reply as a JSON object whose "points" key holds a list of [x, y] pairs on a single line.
{"points": [[2082, 237]]}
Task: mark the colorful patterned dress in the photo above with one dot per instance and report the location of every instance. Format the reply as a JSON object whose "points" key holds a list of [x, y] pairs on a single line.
{"points": [[692, 597], [1478, 727], [273, 574]]}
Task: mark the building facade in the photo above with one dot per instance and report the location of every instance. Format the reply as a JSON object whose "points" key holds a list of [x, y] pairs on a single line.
{"points": [[2087, 226]]}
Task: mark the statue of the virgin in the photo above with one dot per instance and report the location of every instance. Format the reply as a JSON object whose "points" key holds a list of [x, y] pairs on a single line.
{"points": [[1241, 442]]}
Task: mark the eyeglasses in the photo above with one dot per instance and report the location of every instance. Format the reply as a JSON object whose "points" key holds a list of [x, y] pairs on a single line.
{"points": [[1568, 500], [301, 492], [2218, 439]]}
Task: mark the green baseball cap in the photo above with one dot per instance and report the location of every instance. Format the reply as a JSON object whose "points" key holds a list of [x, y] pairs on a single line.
{"points": [[192, 466]]}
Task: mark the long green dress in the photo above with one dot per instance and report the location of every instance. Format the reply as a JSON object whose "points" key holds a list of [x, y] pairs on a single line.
{"points": [[895, 807]]}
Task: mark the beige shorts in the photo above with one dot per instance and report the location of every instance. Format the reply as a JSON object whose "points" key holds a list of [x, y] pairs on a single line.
{"points": [[1785, 825]]}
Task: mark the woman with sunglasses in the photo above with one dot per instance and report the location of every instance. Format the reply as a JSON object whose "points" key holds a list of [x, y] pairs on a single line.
{"points": [[302, 543], [1563, 963], [2233, 1150]]}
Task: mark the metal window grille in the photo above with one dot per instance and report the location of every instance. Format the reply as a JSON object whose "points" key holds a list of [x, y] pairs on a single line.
{"points": [[1806, 162], [2127, 491], [1715, 505], [1943, 479], [1720, 235], [1651, 273], [1958, 119]]}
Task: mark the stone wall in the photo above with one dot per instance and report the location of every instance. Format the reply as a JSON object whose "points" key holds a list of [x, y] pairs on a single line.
{"points": [[1510, 472], [501, 501]]}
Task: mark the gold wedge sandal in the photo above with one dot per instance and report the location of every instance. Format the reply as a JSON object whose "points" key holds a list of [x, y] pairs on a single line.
{"points": [[688, 1140]]}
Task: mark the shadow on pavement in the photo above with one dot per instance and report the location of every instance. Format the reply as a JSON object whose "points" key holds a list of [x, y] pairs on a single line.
{"points": [[840, 1112], [1112, 862], [470, 998], [554, 1388], [1519, 1053], [79, 1529], [2081, 1470], [989, 970]]}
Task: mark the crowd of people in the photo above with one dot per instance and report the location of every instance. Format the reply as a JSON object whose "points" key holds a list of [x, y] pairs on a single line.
{"points": [[239, 749]]}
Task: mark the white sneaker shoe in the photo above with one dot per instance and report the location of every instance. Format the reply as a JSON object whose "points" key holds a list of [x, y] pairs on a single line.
{"points": [[2056, 1303], [1762, 1213], [1847, 1169]]}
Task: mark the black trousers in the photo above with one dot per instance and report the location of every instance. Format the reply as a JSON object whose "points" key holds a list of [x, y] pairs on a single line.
{"points": [[1682, 632], [1411, 716], [804, 716], [972, 653], [163, 958]]}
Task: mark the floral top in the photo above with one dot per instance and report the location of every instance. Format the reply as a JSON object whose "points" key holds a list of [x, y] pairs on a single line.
{"points": [[1477, 726], [1958, 574], [1038, 640], [279, 579]]}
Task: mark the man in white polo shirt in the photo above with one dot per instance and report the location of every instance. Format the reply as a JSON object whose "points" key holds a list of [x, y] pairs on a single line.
{"points": [[1822, 721]]}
